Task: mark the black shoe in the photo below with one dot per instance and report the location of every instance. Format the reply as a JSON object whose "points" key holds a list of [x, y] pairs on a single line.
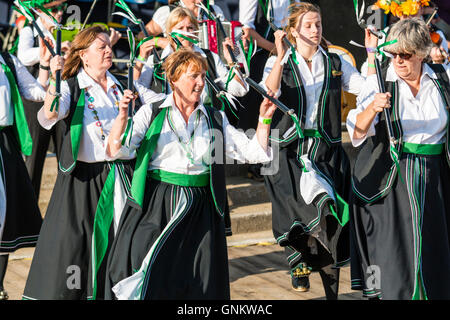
{"points": [[300, 278], [254, 172], [3, 295]]}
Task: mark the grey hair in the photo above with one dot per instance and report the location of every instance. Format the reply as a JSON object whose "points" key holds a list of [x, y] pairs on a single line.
{"points": [[412, 37]]}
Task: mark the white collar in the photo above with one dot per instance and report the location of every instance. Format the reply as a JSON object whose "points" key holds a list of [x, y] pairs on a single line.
{"points": [[288, 53], [391, 75], [85, 81], [170, 102]]}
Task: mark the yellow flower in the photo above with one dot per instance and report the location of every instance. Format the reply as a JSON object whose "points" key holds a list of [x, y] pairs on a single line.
{"points": [[396, 10], [384, 5], [425, 3], [410, 7]]}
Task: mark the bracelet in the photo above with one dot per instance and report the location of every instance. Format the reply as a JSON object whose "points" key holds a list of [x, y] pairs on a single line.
{"points": [[47, 68], [52, 82], [156, 42], [371, 65], [265, 120], [141, 59], [53, 93]]}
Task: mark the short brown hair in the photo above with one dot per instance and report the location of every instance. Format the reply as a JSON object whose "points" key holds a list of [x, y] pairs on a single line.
{"points": [[178, 62]]}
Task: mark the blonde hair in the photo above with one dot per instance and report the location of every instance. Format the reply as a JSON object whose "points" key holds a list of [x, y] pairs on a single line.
{"points": [[82, 41], [177, 15], [178, 63], [412, 37], [296, 10]]}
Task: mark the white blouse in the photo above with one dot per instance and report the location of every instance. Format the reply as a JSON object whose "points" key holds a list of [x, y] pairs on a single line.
{"points": [[172, 155], [160, 16], [423, 117], [92, 147], [313, 80], [29, 89], [249, 8], [149, 96], [27, 53]]}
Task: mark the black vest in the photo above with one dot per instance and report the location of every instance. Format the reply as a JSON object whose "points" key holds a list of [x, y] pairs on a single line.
{"points": [[294, 97], [217, 168], [374, 170], [66, 161]]}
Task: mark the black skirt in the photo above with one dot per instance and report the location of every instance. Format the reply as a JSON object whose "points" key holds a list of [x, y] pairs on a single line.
{"points": [[23, 219], [62, 265], [185, 236], [294, 222], [401, 243]]}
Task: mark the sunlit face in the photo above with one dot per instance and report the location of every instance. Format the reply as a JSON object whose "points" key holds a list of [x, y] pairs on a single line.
{"points": [[407, 69], [308, 29], [99, 54], [187, 26], [190, 84]]}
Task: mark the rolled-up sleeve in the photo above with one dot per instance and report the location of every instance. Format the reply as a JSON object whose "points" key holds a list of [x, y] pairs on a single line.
{"points": [[247, 12], [63, 110], [29, 87], [363, 100], [240, 147], [141, 123], [26, 52], [234, 86]]}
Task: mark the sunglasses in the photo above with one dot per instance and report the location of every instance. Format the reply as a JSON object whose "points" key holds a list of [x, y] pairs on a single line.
{"points": [[403, 56], [61, 7]]}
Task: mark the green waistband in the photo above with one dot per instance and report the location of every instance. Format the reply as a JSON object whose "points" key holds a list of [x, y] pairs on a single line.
{"points": [[184, 180], [425, 149], [312, 133]]}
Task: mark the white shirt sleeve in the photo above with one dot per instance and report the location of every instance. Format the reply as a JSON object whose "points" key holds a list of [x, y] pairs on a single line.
{"points": [[352, 81], [141, 123], [63, 111], [29, 87], [160, 17], [239, 147], [247, 12], [26, 52], [267, 69], [363, 100]]}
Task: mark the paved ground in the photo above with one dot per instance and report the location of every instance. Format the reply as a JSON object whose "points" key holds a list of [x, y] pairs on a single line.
{"points": [[258, 270]]}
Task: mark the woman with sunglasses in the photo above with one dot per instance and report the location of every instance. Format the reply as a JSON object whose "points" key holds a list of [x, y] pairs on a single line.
{"points": [[401, 180], [310, 221], [182, 25]]}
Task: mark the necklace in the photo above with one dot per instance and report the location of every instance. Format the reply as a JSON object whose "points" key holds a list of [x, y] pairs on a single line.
{"points": [[91, 107], [187, 146]]}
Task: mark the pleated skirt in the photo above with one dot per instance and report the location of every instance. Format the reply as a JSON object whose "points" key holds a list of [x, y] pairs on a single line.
{"points": [[309, 232], [174, 245], [22, 220], [62, 263], [400, 244]]}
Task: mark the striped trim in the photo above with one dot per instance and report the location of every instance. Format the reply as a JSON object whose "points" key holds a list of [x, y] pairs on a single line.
{"points": [[159, 243], [18, 242], [416, 185], [325, 89]]}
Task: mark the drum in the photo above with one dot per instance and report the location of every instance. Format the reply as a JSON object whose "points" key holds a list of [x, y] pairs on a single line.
{"points": [[348, 100], [210, 36]]}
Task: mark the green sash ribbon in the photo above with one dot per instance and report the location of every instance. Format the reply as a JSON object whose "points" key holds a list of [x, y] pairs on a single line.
{"points": [[424, 149], [20, 122], [200, 180], [144, 155], [343, 213], [312, 133], [104, 215]]}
